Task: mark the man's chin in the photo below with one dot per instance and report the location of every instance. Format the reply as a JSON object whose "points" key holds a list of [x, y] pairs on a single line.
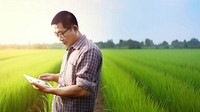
{"points": [[66, 45]]}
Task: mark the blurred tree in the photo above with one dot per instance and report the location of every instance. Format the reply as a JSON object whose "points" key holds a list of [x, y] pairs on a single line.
{"points": [[194, 43], [163, 45], [110, 44], [177, 44], [100, 44], [149, 43]]}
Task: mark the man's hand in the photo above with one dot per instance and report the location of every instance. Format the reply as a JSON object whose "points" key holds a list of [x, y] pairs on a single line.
{"points": [[40, 87], [49, 77]]}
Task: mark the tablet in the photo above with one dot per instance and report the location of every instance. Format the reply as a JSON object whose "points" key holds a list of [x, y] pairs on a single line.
{"points": [[39, 81]]}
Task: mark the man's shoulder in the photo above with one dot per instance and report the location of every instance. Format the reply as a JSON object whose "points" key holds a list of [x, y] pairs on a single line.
{"points": [[89, 45]]}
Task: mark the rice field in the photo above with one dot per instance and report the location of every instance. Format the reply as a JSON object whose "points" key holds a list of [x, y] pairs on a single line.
{"points": [[151, 80], [132, 80], [17, 95]]}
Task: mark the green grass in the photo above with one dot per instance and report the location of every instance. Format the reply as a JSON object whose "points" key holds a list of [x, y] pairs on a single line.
{"points": [[122, 94], [17, 95], [172, 90], [132, 80]]}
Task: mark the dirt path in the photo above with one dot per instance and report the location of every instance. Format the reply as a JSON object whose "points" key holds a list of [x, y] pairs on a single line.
{"points": [[99, 105]]}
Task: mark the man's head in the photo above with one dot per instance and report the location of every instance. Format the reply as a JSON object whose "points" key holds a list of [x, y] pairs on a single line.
{"points": [[65, 26], [67, 19]]}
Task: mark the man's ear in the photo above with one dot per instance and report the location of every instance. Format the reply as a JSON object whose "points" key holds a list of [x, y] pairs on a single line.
{"points": [[75, 27]]}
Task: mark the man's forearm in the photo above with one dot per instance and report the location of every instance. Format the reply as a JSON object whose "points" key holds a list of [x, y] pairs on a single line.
{"points": [[55, 77], [69, 91]]}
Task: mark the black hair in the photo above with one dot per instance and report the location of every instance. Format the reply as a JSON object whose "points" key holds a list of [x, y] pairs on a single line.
{"points": [[67, 19]]}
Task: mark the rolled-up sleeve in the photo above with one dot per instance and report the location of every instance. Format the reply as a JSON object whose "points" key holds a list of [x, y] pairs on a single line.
{"points": [[87, 75]]}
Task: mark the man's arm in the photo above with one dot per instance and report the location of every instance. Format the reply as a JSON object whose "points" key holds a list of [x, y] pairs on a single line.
{"points": [[69, 91]]}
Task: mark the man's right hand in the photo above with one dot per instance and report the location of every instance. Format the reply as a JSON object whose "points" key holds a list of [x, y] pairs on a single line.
{"points": [[49, 77]]}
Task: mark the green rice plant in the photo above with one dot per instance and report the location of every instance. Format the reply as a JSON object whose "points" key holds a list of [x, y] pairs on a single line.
{"points": [[172, 94], [181, 70], [17, 95], [132, 80], [122, 93]]}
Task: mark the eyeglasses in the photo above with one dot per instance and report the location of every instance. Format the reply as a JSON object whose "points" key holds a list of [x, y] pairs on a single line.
{"points": [[61, 34]]}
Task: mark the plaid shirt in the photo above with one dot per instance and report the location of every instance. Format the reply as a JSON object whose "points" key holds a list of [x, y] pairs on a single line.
{"points": [[81, 65]]}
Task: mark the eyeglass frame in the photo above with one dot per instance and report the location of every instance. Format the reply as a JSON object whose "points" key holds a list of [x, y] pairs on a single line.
{"points": [[61, 34]]}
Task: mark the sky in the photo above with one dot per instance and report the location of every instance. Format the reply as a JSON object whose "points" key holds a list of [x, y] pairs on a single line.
{"points": [[28, 21]]}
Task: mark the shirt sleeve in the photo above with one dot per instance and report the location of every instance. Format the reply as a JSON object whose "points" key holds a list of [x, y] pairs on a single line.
{"points": [[87, 69]]}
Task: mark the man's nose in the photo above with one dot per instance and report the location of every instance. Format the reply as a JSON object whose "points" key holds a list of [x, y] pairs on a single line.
{"points": [[60, 38]]}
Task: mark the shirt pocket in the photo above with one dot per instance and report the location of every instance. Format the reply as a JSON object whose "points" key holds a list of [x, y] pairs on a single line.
{"points": [[70, 74]]}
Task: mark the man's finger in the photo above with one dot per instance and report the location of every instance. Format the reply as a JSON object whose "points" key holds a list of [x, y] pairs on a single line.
{"points": [[35, 86]]}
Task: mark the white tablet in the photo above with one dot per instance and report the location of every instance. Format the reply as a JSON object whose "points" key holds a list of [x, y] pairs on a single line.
{"points": [[39, 81]]}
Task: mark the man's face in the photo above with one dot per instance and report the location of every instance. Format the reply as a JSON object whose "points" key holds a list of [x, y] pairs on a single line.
{"points": [[65, 35]]}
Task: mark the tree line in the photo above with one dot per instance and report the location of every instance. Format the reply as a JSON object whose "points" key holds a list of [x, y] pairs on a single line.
{"points": [[123, 44], [149, 44]]}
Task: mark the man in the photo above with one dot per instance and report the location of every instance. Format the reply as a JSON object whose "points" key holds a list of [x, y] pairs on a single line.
{"points": [[79, 77]]}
